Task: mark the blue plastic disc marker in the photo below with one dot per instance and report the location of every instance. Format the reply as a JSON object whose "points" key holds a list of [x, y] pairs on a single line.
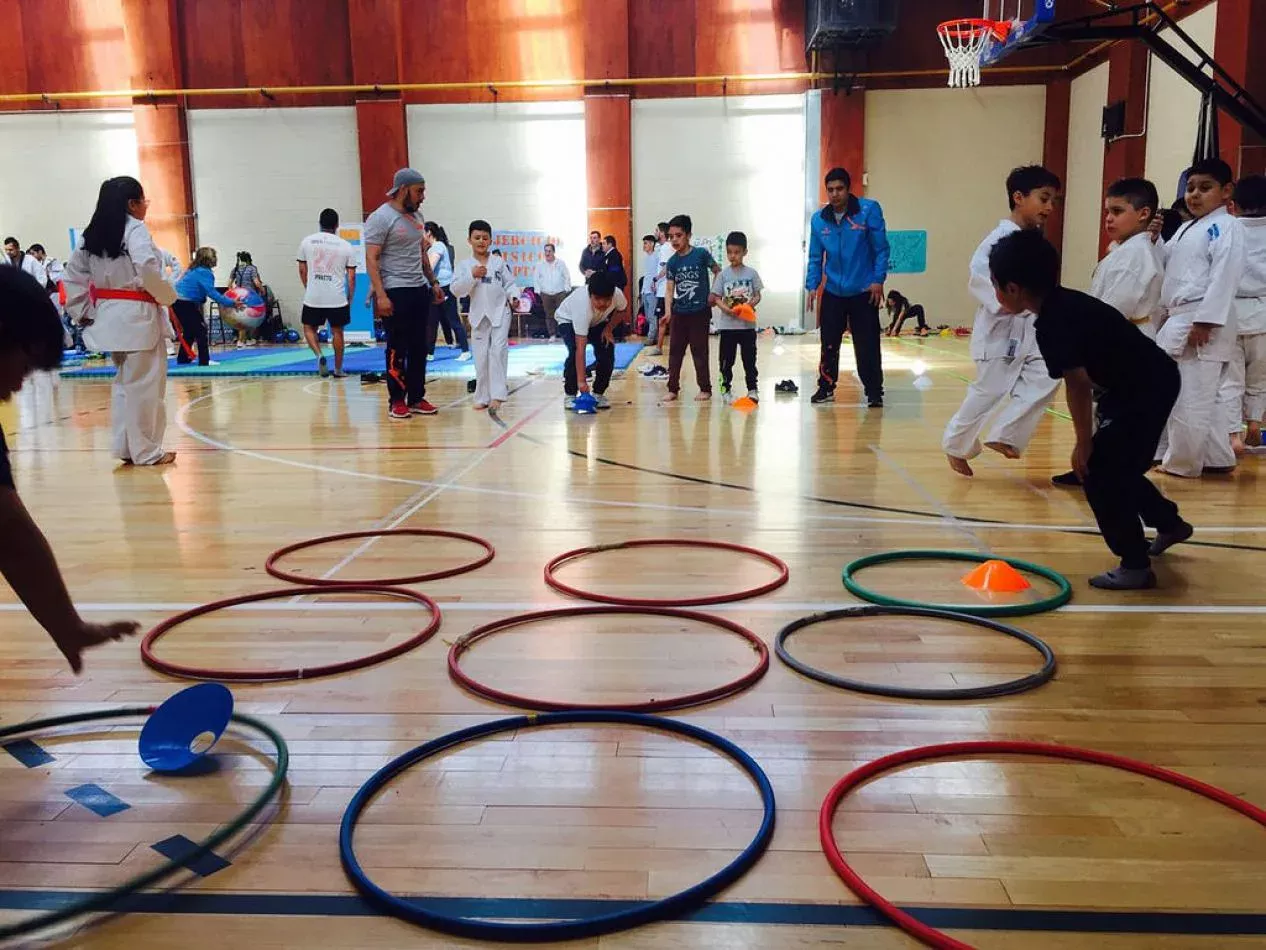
{"points": [[186, 727], [586, 404]]}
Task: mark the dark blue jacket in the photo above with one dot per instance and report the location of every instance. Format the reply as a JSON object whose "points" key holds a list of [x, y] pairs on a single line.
{"points": [[855, 250]]}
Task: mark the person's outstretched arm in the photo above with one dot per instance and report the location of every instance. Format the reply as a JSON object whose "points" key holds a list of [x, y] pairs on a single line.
{"points": [[27, 563]]}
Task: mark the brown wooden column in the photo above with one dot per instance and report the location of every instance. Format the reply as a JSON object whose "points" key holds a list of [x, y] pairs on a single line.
{"points": [[609, 127], [1055, 149], [381, 129], [843, 137], [162, 137], [1238, 48], [1127, 82]]}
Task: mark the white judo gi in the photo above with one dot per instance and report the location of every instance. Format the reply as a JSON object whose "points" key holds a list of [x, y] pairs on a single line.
{"points": [[490, 298], [131, 331], [1242, 393], [1010, 371], [1130, 278], [1204, 264]]}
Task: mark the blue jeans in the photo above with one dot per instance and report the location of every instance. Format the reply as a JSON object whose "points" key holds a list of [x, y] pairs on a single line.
{"points": [[652, 319]]}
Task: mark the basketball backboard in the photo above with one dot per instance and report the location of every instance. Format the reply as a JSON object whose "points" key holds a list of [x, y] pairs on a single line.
{"points": [[1028, 18]]}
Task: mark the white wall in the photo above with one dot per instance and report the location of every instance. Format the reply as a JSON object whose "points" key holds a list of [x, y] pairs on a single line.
{"points": [[1083, 192], [519, 166], [937, 161], [260, 180], [1173, 108], [53, 165], [732, 164]]}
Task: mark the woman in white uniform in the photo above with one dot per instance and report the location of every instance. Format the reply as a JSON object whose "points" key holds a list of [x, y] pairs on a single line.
{"points": [[115, 291]]}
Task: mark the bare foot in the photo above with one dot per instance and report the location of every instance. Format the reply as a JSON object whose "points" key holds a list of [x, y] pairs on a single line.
{"points": [[1006, 451], [960, 466], [1238, 446], [85, 636], [703, 397], [495, 405], [668, 397], [1254, 435], [480, 406], [167, 458]]}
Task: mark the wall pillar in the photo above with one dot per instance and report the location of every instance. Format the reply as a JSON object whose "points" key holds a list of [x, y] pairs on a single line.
{"points": [[609, 129], [843, 137], [1127, 82], [1055, 149], [381, 128], [1241, 34]]}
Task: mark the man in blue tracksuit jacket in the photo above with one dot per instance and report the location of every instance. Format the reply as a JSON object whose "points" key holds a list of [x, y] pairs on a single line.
{"points": [[849, 241]]}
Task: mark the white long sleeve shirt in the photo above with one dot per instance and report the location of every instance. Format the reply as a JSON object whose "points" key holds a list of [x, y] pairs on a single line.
{"points": [[120, 326], [489, 295], [993, 330], [1204, 265], [1250, 302], [552, 278], [1130, 278]]}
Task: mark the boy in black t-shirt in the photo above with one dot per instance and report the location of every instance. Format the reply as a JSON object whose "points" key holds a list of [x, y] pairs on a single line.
{"points": [[1095, 349], [30, 340]]}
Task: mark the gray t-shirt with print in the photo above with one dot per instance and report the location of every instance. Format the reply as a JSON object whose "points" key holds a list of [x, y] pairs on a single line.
{"points": [[400, 236], [736, 283]]}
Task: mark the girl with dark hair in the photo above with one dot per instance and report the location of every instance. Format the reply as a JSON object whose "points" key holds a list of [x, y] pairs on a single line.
{"points": [[116, 292], [444, 315], [900, 310], [246, 275]]}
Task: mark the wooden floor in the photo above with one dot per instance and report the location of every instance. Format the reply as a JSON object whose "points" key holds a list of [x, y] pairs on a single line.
{"points": [[1176, 677]]}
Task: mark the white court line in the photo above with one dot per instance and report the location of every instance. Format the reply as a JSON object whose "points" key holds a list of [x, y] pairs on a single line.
{"points": [[929, 498], [930, 521], [773, 607]]}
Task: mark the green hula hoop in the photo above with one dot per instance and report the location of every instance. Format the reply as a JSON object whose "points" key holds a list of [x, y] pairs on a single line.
{"points": [[1058, 599], [103, 900]]}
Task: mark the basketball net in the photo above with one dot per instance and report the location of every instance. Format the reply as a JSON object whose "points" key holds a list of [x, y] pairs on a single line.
{"points": [[965, 42]]}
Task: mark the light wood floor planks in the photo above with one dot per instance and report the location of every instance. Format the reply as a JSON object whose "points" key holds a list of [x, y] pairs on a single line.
{"points": [[1176, 677]]}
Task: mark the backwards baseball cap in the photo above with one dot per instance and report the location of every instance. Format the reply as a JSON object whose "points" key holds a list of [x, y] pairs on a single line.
{"points": [[404, 178]]}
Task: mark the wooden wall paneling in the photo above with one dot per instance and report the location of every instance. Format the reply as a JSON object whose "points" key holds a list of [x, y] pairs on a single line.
{"points": [[1127, 81], [375, 37], [297, 43], [93, 29], [383, 140], [434, 47], [212, 56], [1240, 37], [843, 137], [13, 73], [1055, 149], [737, 39], [605, 30], [662, 43]]}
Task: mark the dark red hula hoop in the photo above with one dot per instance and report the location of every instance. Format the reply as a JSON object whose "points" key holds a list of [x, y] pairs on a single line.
{"points": [[271, 564], [299, 672], [655, 705], [930, 935], [554, 582]]}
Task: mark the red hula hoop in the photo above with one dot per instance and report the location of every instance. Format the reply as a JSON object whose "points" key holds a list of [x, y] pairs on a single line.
{"points": [[271, 564], [654, 705], [554, 582], [930, 935], [297, 673]]}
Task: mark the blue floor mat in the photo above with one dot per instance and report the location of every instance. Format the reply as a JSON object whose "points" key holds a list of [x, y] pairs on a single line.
{"points": [[525, 359]]}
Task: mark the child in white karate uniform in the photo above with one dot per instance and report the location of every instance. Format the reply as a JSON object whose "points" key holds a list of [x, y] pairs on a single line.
{"points": [[1129, 278], [1204, 264], [1010, 374], [487, 280], [1243, 390]]}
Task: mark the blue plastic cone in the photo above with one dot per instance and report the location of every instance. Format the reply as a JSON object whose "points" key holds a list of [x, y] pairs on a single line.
{"points": [[186, 727]]}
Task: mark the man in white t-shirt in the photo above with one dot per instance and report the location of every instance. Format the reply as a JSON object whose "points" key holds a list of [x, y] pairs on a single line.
{"points": [[665, 252], [590, 315], [327, 267], [552, 281]]}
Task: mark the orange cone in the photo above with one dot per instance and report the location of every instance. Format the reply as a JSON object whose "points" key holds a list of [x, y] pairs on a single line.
{"points": [[745, 404], [996, 577]]}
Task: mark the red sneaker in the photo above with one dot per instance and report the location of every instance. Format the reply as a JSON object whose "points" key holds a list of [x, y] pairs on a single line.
{"points": [[398, 411], [422, 408]]}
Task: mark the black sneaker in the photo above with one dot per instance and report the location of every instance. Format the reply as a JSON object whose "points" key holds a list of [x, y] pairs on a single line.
{"points": [[1167, 539], [875, 403], [822, 395], [1067, 480], [1125, 578], [787, 386], [323, 368]]}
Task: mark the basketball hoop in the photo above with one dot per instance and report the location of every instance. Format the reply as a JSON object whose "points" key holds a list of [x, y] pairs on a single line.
{"points": [[965, 42]]}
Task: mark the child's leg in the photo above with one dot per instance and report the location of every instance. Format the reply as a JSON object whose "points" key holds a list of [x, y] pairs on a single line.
{"points": [[499, 363], [677, 334], [604, 361], [1032, 393], [1254, 382], [1231, 393], [747, 344], [568, 333], [917, 312], [481, 346], [728, 348], [1192, 430], [993, 383], [118, 410], [697, 327]]}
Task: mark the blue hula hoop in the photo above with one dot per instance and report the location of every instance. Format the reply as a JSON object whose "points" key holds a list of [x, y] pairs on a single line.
{"points": [[641, 913]]}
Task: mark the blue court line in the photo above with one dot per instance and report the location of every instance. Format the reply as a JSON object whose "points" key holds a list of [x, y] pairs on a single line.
{"points": [[822, 915], [28, 753], [178, 848], [97, 799]]}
